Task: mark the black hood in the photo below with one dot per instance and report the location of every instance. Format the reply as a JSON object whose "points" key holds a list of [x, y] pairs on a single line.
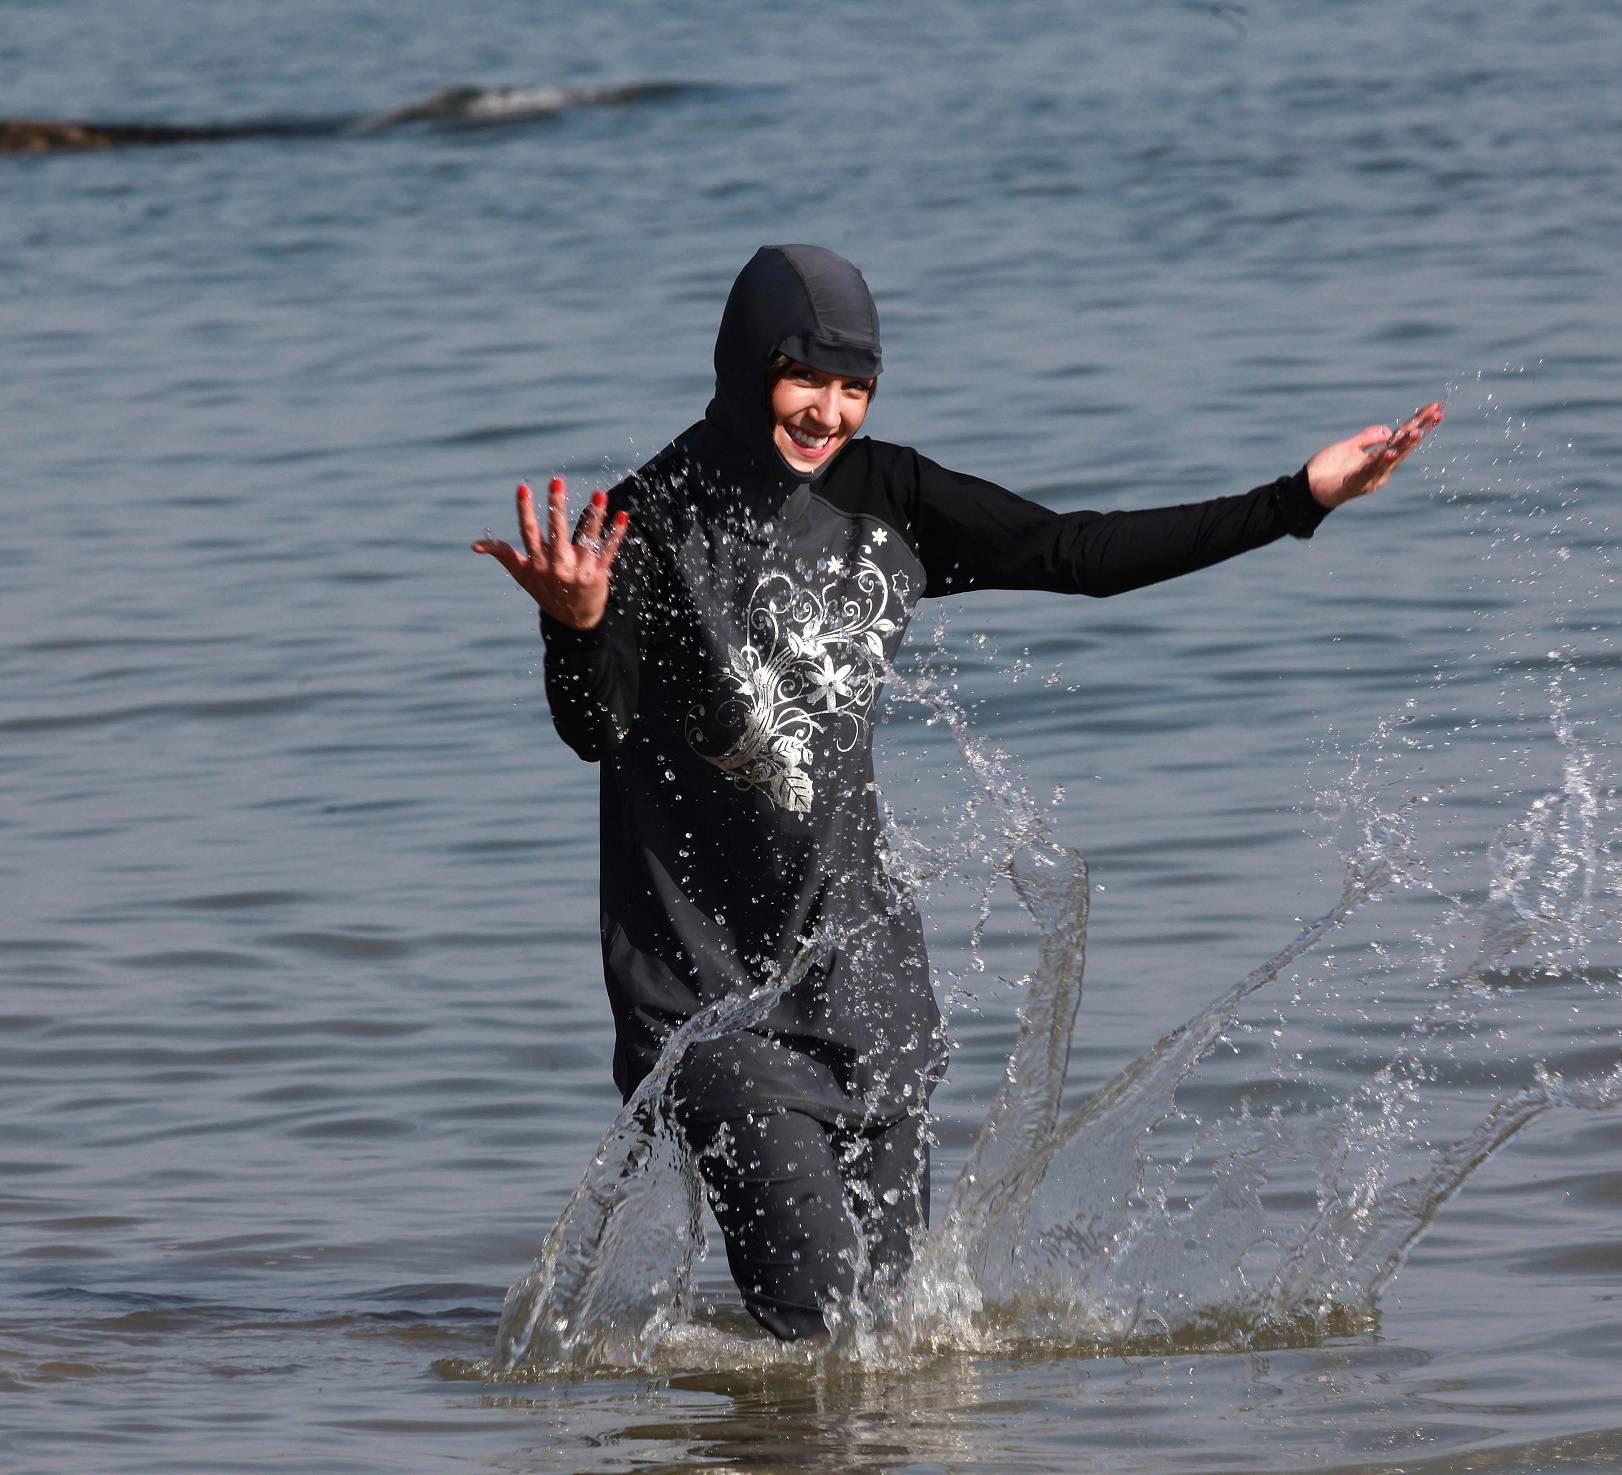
{"points": [[803, 301]]}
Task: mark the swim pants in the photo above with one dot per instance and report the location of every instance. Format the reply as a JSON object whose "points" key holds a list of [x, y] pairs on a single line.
{"points": [[812, 1214]]}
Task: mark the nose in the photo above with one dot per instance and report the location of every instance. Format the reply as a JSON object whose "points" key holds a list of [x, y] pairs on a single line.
{"points": [[825, 407]]}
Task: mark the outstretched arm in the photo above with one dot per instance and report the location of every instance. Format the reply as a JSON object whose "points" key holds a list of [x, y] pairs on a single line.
{"points": [[586, 619], [971, 534]]}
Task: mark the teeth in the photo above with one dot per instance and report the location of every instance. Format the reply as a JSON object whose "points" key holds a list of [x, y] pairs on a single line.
{"points": [[810, 442]]}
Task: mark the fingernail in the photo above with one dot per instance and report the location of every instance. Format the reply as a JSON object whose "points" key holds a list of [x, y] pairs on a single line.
{"points": [[621, 518], [523, 489], [599, 499], [555, 486]]}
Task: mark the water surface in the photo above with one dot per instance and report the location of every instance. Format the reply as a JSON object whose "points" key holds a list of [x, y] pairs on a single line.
{"points": [[304, 1041]]}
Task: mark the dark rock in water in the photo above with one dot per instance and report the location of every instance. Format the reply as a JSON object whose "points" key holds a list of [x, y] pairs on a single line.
{"points": [[36, 135], [451, 102], [453, 105], [42, 135], [515, 104]]}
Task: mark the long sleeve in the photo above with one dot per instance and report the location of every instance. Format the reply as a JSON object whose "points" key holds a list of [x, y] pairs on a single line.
{"points": [[591, 681], [972, 534], [592, 675]]}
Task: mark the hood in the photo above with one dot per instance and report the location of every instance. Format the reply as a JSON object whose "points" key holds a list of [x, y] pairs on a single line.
{"points": [[803, 301]]}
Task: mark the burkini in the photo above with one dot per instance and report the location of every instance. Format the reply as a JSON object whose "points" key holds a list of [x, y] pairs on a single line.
{"points": [[729, 695]]}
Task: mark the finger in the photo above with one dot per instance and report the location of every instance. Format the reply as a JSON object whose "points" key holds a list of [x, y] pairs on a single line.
{"points": [[1412, 430], [591, 525], [1374, 435], [1410, 433], [1402, 446], [616, 536], [527, 526], [504, 553], [557, 516]]}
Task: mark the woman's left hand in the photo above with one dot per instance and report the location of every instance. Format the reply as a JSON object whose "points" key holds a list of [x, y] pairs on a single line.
{"points": [[1363, 463]]}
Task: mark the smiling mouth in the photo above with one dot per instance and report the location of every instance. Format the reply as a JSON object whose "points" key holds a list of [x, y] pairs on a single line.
{"points": [[808, 442]]}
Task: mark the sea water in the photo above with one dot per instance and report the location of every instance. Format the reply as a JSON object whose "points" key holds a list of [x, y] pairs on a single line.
{"points": [[303, 1046]]}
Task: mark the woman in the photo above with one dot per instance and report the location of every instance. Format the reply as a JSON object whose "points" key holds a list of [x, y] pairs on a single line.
{"points": [[719, 651]]}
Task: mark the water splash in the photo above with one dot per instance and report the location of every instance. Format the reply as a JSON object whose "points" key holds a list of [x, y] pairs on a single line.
{"points": [[1133, 1224], [615, 1273], [1072, 1232]]}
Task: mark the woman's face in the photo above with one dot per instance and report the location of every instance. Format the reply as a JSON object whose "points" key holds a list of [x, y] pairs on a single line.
{"points": [[814, 414]]}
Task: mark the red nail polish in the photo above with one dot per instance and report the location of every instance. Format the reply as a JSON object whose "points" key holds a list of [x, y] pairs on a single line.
{"points": [[523, 489], [555, 487], [621, 518], [599, 499]]}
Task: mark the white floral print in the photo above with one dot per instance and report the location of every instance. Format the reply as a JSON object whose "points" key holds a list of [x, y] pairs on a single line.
{"points": [[829, 684], [811, 663]]}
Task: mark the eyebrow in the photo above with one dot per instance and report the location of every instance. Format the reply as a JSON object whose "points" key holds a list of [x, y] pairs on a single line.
{"points": [[796, 367]]}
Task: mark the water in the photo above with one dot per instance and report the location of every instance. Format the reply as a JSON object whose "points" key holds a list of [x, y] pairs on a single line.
{"points": [[1081, 1233], [304, 1048]]}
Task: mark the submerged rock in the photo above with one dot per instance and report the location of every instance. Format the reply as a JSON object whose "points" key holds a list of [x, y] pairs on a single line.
{"points": [[44, 135], [36, 135], [453, 106]]}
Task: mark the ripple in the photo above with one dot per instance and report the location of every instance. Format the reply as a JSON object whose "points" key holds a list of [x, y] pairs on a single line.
{"points": [[341, 946], [240, 901], [358, 1128], [224, 710]]}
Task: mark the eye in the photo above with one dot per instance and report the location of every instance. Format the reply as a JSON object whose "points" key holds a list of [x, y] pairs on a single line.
{"points": [[863, 387]]}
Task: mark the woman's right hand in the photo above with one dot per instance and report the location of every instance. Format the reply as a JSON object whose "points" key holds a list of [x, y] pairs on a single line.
{"points": [[567, 577]]}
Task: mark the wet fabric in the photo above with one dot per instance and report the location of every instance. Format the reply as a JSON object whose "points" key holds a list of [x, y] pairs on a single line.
{"points": [[729, 695], [813, 1215]]}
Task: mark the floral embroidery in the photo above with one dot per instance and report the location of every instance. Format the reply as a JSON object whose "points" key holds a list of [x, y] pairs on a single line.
{"points": [[811, 663]]}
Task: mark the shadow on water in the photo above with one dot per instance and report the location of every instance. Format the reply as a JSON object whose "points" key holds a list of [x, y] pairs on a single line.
{"points": [[1137, 1225]]}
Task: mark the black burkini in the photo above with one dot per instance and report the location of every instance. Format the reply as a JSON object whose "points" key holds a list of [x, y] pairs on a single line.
{"points": [[729, 694]]}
